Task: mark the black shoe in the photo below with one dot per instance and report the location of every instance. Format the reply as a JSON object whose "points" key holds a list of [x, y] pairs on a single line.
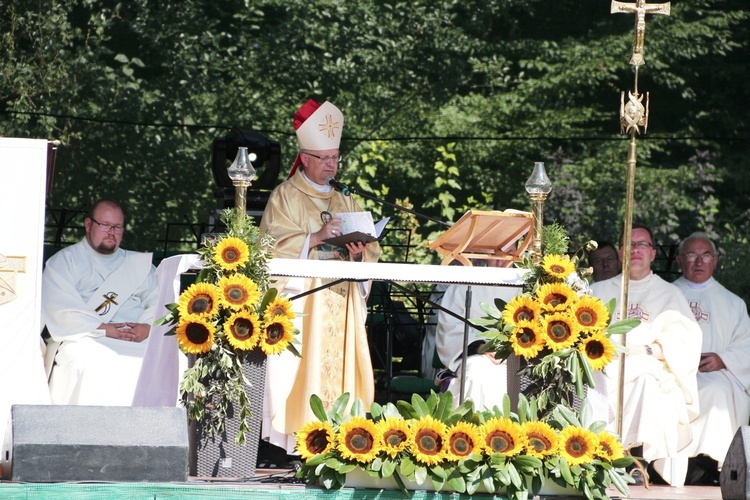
{"points": [[702, 470], [654, 476]]}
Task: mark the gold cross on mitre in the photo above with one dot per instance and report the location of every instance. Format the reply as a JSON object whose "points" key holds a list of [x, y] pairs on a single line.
{"points": [[9, 267], [641, 8], [329, 126]]}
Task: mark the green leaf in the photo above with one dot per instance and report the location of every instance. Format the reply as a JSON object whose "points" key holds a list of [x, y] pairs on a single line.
{"points": [[565, 472], [339, 406], [527, 462], [420, 406], [584, 363], [316, 405], [623, 326], [420, 474], [407, 466]]}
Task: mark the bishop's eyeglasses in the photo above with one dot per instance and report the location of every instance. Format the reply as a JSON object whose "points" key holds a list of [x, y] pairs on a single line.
{"points": [[327, 159], [105, 228]]}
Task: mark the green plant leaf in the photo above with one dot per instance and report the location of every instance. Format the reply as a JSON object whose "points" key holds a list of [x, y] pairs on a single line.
{"points": [[316, 405]]}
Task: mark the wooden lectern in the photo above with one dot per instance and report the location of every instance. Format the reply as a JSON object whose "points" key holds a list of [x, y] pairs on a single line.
{"points": [[486, 235]]}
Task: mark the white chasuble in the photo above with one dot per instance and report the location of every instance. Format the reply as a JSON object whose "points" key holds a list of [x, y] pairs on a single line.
{"points": [[660, 396], [335, 351]]}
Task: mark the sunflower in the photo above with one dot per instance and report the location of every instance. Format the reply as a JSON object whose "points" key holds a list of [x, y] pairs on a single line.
{"points": [[277, 335], [527, 339], [242, 330], [279, 306], [560, 330], [599, 350], [200, 299], [195, 334], [542, 439], [238, 291], [231, 253], [556, 296], [609, 447], [578, 445], [521, 308], [314, 438], [395, 432], [590, 314], [501, 435], [358, 439], [558, 266], [428, 440], [463, 440]]}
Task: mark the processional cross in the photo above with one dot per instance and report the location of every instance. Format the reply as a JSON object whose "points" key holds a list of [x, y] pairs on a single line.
{"points": [[641, 8], [633, 115]]}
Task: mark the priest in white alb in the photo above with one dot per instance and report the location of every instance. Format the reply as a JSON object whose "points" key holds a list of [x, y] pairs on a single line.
{"points": [[98, 304], [724, 370], [660, 388], [486, 380]]}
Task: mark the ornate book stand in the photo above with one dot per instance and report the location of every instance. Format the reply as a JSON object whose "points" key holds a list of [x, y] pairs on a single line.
{"points": [[486, 235]]}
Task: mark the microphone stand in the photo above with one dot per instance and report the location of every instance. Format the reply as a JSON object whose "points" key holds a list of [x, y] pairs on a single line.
{"points": [[347, 190]]}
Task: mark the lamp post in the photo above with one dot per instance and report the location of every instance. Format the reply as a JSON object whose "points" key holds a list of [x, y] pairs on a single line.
{"points": [[538, 186], [241, 172]]}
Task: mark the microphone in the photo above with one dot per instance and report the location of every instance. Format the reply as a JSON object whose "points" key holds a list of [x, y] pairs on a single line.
{"points": [[338, 186]]}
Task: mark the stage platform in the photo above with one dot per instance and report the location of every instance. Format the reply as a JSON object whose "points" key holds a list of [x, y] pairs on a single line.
{"points": [[273, 484]]}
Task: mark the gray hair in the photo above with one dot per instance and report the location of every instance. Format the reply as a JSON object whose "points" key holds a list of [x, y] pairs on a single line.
{"points": [[698, 235]]}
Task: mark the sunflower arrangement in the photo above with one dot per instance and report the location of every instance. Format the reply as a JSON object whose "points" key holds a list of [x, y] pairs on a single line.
{"points": [[462, 450], [229, 313], [560, 332]]}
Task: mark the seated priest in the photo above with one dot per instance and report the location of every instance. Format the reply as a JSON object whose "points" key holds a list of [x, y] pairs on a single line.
{"points": [[486, 380], [301, 216], [724, 369], [660, 389], [98, 304]]}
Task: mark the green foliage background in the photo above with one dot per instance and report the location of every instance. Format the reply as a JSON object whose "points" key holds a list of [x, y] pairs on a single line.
{"points": [[447, 105]]}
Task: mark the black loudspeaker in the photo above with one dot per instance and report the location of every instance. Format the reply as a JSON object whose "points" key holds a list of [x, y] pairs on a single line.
{"points": [[45, 443], [736, 468]]}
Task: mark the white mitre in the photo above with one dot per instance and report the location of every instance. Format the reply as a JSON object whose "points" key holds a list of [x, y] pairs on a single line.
{"points": [[322, 130]]}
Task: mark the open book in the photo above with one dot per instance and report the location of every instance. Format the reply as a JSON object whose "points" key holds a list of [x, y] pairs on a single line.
{"points": [[357, 226]]}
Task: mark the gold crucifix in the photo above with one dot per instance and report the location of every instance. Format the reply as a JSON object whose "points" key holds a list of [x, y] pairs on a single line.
{"points": [[641, 8], [109, 298]]}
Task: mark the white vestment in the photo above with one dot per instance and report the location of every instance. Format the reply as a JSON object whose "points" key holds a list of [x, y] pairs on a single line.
{"points": [[90, 368], [486, 382], [723, 394], [660, 397]]}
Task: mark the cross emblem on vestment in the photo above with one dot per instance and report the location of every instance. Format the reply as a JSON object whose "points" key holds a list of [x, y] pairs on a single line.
{"points": [[641, 8], [9, 267], [329, 126], [109, 299]]}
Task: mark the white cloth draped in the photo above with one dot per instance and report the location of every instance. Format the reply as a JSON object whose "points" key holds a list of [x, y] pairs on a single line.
{"points": [[164, 362]]}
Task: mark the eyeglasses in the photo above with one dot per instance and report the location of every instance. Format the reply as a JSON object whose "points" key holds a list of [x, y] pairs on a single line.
{"points": [[327, 159], [108, 227], [692, 257], [641, 244]]}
